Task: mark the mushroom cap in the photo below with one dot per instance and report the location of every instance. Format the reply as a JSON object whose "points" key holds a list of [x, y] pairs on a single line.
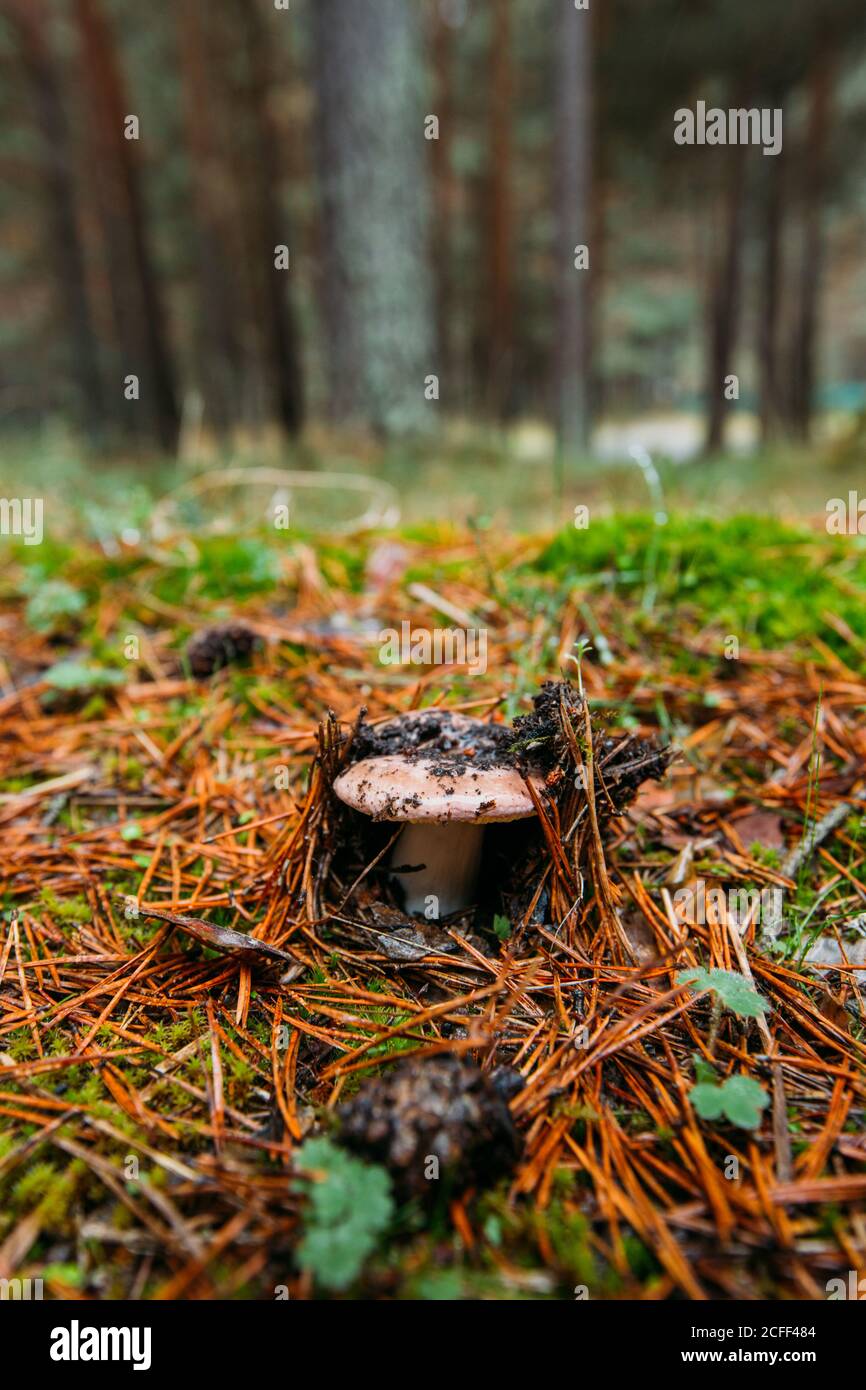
{"points": [[398, 788], [437, 765]]}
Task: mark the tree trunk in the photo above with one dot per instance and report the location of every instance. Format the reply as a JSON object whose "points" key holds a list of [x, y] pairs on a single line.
{"points": [[572, 180], [498, 347], [67, 252], [134, 284], [373, 166], [444, 192], [725, 300], [771, 402], [218, 341], [812, 253], [270, 227]]}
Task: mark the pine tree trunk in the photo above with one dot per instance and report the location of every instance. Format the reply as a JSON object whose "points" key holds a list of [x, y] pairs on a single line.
{"points": [[771, 404], [67, 252], [444, 193], [812, 252], [270, 226], [725, 300], [134, 282], [373, 165], [219, 351], [572, 179], [498, 347]]}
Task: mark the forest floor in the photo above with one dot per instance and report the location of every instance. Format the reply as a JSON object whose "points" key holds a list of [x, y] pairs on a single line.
{"points": [[170, 1102]]}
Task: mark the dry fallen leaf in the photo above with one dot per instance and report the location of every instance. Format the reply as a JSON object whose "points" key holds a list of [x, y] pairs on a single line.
{"points": [[761, 827], [219, 938]]}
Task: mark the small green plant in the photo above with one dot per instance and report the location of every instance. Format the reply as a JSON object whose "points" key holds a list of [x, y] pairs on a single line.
{"points": [[733, 990], [739, 1099], [53, 605], [502, 927], [350, 1205], [730, 991], [77, 675], [578, 651]]}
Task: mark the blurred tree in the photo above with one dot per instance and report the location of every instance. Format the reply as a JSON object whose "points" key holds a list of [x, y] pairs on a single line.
{"points": [[813, 194], [268, 223], [772, 212], [132, 275], [497, 338], [30, 21], [444, 192], [572, 182], [373, 168], [218, 348], [725, 290]]}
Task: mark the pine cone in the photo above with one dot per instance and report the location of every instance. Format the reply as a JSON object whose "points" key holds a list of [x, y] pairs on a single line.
{"points": [[214, 647], [439, 1108]]}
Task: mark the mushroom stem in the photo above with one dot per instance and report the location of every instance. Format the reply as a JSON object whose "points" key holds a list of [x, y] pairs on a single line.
{"points": [[450, 853]]}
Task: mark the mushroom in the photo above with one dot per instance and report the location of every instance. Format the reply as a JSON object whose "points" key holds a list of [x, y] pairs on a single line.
{"points": [[447, 778]]}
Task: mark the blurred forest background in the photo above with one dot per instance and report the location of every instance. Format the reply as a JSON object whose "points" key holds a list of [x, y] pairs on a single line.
{"points": [[287, 219]]}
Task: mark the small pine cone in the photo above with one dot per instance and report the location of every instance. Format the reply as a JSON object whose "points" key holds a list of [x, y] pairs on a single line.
{"points": [[214, 647], [440, 1108]]}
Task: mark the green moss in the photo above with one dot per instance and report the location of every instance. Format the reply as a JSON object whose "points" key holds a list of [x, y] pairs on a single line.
{"points": [[767, 583], [568, 1232], [75, 909], [48, 1188]]}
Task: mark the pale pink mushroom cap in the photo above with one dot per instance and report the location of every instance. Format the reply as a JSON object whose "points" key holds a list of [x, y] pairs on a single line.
{"points": [[394, 787]]}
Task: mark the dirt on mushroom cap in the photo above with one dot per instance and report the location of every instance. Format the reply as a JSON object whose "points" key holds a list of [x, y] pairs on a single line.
{"points": [[450, 743]]}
